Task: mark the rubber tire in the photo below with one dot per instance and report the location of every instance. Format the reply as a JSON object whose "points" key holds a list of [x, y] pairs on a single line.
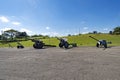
{"points": [[105, 45], [20, 47], [66, 45], [40, 46], [34, 46], [60, 45], [97, 45]]}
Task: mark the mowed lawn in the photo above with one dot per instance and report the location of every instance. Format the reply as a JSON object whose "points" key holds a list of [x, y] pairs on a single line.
{"points": [[81, 40]]}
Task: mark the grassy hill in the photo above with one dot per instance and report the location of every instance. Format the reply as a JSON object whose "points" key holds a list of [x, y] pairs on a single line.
{"points": [[81, 40]]}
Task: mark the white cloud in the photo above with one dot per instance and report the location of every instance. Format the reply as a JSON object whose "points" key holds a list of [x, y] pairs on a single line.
{"points": [[75, 33], [105, 29], [55, 34], [26, 30], [51, 33], [47, 28], [85, 32], [4, 29], [16, 23], [85, 28], [4, 19]]}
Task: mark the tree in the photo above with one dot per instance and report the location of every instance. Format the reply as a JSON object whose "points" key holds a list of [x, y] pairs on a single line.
{"points": [[35, 35], [110, 32], [10, 34], [94, 32], [0, 37], [46, 36], [69, 34], [116, 30], [21, 35]]}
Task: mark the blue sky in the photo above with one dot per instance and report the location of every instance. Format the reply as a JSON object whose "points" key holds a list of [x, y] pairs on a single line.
{"points": [[59, 17]]}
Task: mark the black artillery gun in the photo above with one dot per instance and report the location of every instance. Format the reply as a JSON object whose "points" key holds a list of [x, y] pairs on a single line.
{"points": [[38, 44], [20, 46], [64, 44], [101, 43]]}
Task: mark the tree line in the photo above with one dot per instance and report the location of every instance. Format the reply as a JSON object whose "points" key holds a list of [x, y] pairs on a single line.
{"points": [[116, 31], [14, 34], [11, 35]]}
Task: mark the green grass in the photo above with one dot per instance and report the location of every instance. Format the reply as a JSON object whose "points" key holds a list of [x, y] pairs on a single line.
{"points": [[82, 40]]}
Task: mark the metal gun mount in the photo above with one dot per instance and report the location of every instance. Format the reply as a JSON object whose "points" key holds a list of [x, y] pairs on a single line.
{"points": [[64, 44], [38, 44], [101, 43]]}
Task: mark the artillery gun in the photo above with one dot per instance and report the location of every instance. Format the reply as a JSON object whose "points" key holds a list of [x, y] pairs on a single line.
{"points": [[20, 46], [101, 43], [38, 44], [65, 44]]}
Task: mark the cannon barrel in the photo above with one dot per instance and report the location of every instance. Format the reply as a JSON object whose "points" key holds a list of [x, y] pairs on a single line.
{"points": [[93, 38], [100, 43], [38, 44], [58, 38]]}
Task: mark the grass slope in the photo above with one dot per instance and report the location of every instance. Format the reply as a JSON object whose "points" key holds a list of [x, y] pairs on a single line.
{"points": [[82, 40]]}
